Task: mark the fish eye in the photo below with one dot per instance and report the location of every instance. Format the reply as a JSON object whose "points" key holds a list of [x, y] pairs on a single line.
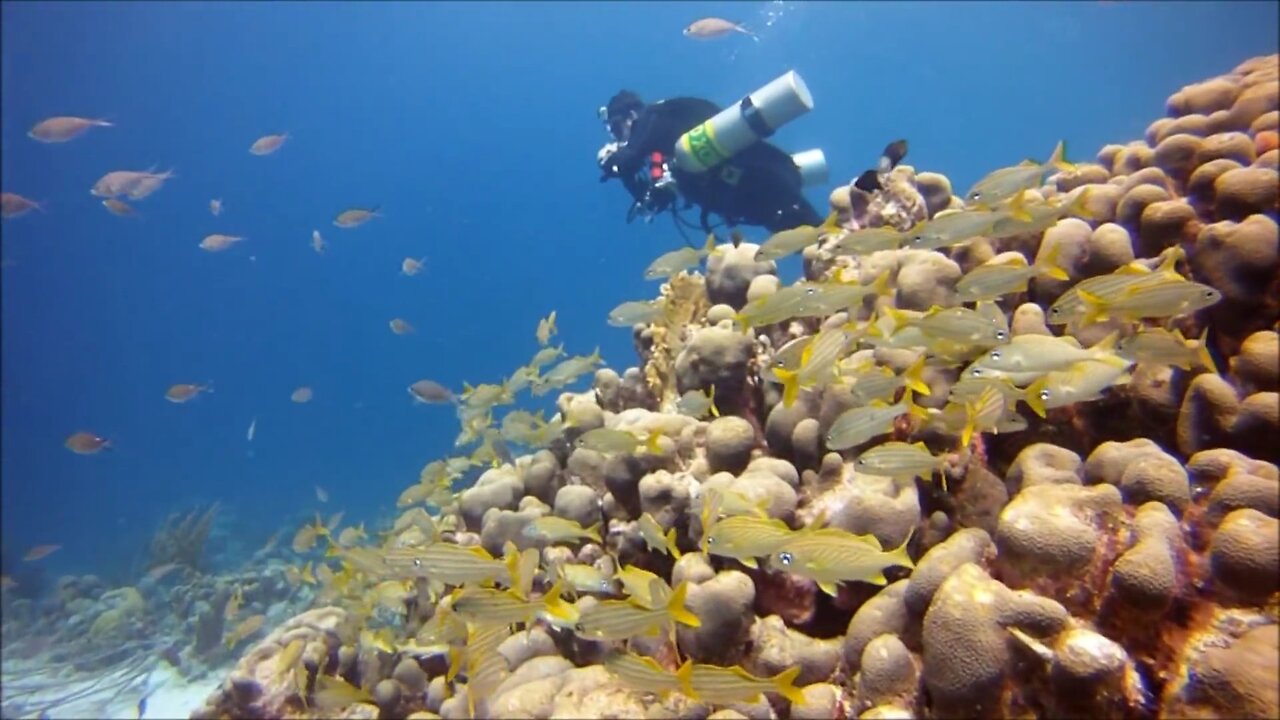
{"points": [[976, 372], [1209, 294], [785, 558], [1045, 394], [995, 354], [1001, 335], [711, 539], [417, 562]]}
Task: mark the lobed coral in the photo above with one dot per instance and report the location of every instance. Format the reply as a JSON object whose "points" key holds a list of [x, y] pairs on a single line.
{"points": [[1117, 558]]}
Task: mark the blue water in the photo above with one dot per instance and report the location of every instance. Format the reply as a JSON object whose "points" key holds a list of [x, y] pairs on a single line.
{"points": [[474, 127]]}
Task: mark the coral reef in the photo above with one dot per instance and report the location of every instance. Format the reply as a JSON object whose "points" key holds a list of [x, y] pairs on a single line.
{"points": [[1113, 555]]}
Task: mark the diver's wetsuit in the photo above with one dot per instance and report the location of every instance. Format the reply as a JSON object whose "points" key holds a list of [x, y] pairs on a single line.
{"points": [[760, 185]]}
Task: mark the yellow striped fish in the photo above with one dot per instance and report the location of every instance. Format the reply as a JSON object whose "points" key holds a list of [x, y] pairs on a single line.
{"points": [[831, 556], [447, 563], [715, 684], [642, 673]]}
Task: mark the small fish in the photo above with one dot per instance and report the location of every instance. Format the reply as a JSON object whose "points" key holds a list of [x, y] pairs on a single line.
{"points": [[555, 530], [412, 266], [744, 538], [400, 326], [1081, 382], [643, 588], [63, 128], [447, 563], [957, 324], [302, 395], [183, 392], [622, 620], [642, 673], [317, 242], [609, 441], [122, 182], [289, 656], [714, 27], [268, 144], [333, 694], [253, 428], [218, 242], [869, 240], [1156, 346], [1069, 307], [321, 494], [697, 403], [831, 556], [951, 228], [1000, 185], [488, 606], [817, 363], [860, 424], [355, 217], [119, 208], [656, 539], [585, 578], [159, 571], [1169, 298], [86, 443], [546, 328], [900, 460], [13, 205], [430, 391], [1042, 353], [677, 261], [637, 312], [147, 185], [870, 181], [992, 280], [215, 206], [788, 242], [716, 684], [40, 551], [546, 355]]}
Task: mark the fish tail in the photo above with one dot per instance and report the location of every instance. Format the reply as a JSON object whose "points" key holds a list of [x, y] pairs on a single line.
{"points": [[671, 544], [1080, 206], [1108, 343], [1059, 160], [685, 675], [970, 416], [677, 610], [1018, 207], [1051, 265], [1032, 395], [102, 122], [914, 376], [593, 532], [651, 443], [555, 606], [881, 285], [711, 397], [785, 683], [912, 407], [790, 385], [899, 555], [1202, 353]]}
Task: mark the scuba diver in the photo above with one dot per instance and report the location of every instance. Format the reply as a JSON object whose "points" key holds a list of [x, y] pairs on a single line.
{"points": [[714, 158]]}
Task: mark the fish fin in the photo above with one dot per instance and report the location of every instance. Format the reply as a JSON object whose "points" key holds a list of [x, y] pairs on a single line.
{"points": [[899, 318], [677, 610], [555, 605], [593, 532], [790, 385], [1032, 395], [829, 588], [868, 182], [1018, 208], [970, 412], [913, 377], [912, 407], [1051, 265], [1203, 355], [785, 682], [652, 443], [877, 578], [1108, 343], [1094, 308], [1059, 158], [684, 675], [832, 224], [671, 544], [711, 397], [880, 286]]}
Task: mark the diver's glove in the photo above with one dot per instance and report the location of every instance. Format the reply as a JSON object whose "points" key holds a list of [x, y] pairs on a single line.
{"points": [[604, 158]]}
